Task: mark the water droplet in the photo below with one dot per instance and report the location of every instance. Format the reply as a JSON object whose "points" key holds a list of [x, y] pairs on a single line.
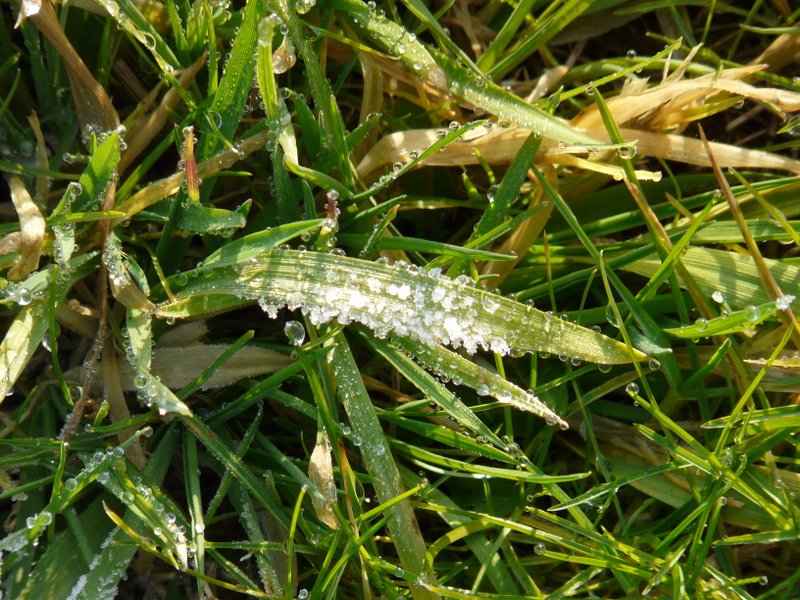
{"points": [[302, 594], [630, 54], [539, 548], [751, 313], [490, 193], [611, 316], [284, 58], [140, 381], [632, 388], [604, 368], [701, 324], [626, 152], [718, 297], [180, 279], [784, 302], [23, 296], [654, 364], [303, 6], [295, 331], [454, 125]]}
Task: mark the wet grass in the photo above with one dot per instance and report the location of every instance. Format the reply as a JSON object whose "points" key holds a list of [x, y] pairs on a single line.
{"points": [[347, 300]]}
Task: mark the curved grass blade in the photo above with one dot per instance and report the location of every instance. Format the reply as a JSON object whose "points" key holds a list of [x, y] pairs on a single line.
{"points": [[380, 464], [449, 76], [734, 275], [463, 371], [403, 300], [34, 296], [740, 320]]}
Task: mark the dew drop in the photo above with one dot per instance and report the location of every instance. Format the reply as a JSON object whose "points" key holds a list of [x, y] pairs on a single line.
{"points": [[140, 381], [611, 317], [539, 548], [632, 388], [654, 364], [718, 297], [295, 331], [626, 152], [701, 324], [784, 302], [23, 296], [751, 313]]}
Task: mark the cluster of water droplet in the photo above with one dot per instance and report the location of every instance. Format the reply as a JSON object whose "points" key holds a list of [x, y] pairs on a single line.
{"points": [[303, 6], [169, 528], [151, 391], [18, 293], [112, 259], [425, 305], [284, 57]]}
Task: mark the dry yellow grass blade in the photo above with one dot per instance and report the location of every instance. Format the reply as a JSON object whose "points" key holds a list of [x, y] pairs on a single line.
{"points": [[655, 108], [521, 238], [783, 50], [320, 472], [177, 367], [95, 111], [499, 146], [145, 131], [691, 151], [31, 236], [164, 188]]}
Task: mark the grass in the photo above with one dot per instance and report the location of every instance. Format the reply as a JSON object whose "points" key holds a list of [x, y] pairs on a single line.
{"points": [[405, 300]]}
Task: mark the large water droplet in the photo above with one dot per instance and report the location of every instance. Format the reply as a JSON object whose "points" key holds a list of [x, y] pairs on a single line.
{"points": [[295, 331]]}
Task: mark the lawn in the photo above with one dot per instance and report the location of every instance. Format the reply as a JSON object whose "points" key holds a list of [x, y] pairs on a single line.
{"points": [[460, 299]]}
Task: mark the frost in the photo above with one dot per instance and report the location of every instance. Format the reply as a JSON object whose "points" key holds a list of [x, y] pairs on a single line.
{"points": [[403, 300]]}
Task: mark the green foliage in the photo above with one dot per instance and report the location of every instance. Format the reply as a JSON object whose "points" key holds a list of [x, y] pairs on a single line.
{"points": [[480, 333]]}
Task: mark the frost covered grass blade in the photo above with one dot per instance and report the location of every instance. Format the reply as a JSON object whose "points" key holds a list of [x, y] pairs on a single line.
{"points": [[400, 299]]}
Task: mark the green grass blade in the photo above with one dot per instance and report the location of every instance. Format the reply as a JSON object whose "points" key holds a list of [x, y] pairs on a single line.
{"points": [[404, 301], [379, 462]]}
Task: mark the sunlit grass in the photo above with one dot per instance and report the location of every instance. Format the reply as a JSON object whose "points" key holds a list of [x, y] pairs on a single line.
{"points": [[359, 300]]}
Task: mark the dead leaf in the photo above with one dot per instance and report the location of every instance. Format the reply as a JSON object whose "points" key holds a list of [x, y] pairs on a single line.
{"points": [[320, 472], [32, 226]]}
